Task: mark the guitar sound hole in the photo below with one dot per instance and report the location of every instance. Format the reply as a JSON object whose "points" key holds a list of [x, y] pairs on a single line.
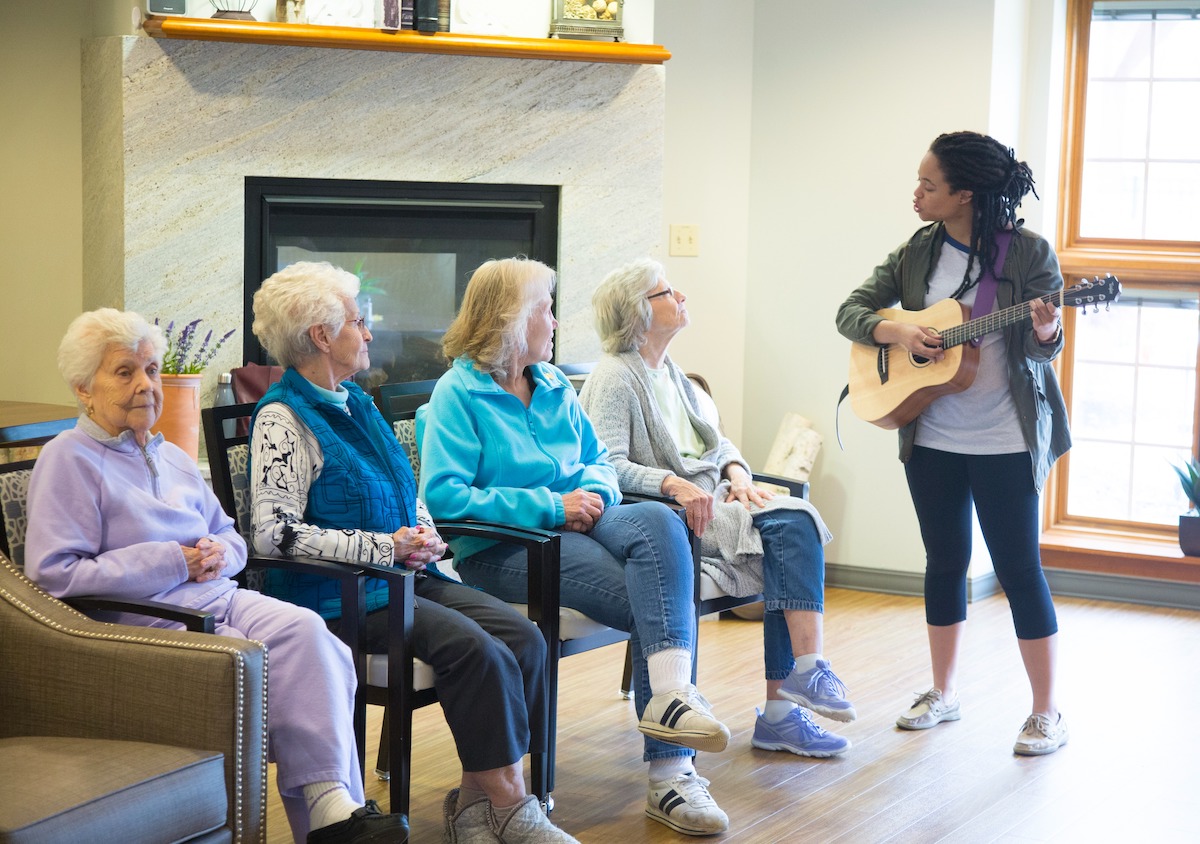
{"points": [[920, 361]]}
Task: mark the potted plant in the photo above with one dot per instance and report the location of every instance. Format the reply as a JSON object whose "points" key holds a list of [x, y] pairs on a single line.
{"points": [[1189, 522], [181, 372]]}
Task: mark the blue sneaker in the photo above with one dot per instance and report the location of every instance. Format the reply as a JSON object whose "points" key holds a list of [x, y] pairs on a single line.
{"points": [[820, 690], [798, 734]]}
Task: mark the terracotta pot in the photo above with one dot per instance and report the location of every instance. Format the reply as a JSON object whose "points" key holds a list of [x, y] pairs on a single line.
{"points": [[180, 419], [1189, 535]]}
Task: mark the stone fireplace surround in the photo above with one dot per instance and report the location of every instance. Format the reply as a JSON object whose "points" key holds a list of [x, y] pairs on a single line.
{"points": [[172, 128]]}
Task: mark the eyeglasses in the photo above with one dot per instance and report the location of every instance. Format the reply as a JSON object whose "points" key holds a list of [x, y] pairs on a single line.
{"points": [[360, 323], [667, 292]]}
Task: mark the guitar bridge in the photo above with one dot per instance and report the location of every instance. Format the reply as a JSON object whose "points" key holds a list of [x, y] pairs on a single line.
{"points": [[881, 364]]}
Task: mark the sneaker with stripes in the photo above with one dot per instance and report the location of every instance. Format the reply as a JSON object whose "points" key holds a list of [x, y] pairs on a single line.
{"points": [[684, 804], [684, 717]]}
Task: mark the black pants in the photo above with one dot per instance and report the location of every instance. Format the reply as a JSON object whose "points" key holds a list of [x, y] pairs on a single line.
{"points": [[489, 665], [944, 487]]}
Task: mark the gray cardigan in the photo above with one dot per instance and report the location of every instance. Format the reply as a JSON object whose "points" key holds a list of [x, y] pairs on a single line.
{"points": [[619, 399], [1030, 270]]}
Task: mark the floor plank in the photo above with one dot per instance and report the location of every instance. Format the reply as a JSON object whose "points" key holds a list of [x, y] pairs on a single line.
{"points": [[1127, 684]]}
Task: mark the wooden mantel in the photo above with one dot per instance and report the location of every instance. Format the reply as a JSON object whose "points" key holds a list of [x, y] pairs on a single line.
{"points": [[404, 40]]}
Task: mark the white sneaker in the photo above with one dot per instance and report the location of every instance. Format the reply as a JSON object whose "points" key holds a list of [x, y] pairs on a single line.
{"points": [[684, 804], [684, 717], [929, 710], [1039, 737]]}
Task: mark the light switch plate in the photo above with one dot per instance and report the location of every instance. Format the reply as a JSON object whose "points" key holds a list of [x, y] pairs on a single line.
{"points": [[685, 240]]}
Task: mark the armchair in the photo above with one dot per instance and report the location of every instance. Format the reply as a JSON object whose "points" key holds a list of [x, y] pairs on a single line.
{"points": [[119, 733]]}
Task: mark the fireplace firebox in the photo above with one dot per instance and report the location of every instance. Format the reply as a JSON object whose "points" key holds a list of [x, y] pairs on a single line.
{"points": [[413, 246]]}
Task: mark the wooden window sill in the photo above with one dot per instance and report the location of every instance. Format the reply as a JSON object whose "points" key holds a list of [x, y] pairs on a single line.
{"points": [[404, 40], [1091, 550]]}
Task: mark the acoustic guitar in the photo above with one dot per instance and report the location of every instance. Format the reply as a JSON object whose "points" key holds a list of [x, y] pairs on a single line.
{"points": [[890, 386]]}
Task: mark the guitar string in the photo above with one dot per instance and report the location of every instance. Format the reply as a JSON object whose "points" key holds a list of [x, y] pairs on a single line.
{"points": [[965, 331]]}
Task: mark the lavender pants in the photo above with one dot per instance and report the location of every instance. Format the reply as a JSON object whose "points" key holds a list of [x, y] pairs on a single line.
{"points": [[310, 696]]}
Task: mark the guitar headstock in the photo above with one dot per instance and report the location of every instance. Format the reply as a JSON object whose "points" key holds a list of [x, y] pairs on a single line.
{"points": [[1093, 293]]}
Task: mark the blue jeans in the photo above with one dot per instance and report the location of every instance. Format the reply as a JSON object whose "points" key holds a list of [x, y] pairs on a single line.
{"points": [[632, 571], [793, 579]]}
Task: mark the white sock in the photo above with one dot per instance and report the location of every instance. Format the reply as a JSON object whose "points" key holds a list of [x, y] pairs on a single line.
{"points": [[806, 663], [670, 766], [669, 669], [776, 710], [328, 803]]}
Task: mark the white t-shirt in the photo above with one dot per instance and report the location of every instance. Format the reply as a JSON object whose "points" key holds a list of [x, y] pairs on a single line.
{"points": [[982, 419]]}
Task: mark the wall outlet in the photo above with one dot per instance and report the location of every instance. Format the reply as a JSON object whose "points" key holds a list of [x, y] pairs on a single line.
{"points": [[685, 240]]}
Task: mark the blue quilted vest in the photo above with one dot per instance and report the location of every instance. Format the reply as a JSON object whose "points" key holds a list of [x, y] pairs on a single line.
{"points": [[366, 483]]}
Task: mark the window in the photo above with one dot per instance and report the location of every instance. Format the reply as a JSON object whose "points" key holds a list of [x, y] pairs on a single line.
{"points": [[1131, 172], [1133, 403]]}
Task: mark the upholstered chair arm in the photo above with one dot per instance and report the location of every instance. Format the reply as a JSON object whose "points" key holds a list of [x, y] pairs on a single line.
{"points": [[63, 674]]}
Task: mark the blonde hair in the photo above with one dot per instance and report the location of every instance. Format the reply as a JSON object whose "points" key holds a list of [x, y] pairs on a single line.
{"points": [[299, 296], [621, 309], [490, 327], [90, 334]]}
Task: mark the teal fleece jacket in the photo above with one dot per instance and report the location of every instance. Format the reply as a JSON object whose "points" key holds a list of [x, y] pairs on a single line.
{"points": [[485, 456]]}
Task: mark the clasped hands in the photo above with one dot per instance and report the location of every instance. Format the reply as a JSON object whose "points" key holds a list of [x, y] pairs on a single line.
{"points": [[417, 547], [581, 510], [205, 561]]}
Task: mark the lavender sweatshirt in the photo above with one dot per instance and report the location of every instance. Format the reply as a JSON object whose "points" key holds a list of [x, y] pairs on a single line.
{"points": [[107, 517]]}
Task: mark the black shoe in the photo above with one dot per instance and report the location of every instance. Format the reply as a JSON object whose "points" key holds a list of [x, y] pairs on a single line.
{"points": [[367, 825]]}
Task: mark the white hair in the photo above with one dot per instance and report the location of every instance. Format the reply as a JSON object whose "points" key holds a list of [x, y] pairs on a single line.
{"points": [[622, 311], [299, 296], [90, 335]]}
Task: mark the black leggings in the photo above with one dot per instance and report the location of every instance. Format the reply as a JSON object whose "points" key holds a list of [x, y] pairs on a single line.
{"points": [[944, 486]]}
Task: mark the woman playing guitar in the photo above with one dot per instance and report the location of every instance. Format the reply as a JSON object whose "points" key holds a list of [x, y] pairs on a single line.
{"points": [[988, 446]]}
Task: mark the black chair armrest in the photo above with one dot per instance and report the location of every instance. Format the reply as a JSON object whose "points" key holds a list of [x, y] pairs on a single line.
{"points": [[198, 621], [798, 489]]}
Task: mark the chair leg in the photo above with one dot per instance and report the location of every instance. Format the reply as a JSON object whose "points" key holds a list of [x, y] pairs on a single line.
{"points": [[399, 760], [360, 724], [382, 767], [542, 765], [627, 675]]}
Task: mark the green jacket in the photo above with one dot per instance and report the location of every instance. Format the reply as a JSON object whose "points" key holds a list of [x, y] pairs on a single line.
{"points": [[1030, 270]]}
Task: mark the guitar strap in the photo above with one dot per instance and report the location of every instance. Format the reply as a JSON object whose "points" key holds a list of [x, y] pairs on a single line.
{"points": [[985, 293]]}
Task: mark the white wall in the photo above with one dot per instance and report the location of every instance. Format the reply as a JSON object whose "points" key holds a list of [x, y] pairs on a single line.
{"points": [[706, 173], [847, 98]]}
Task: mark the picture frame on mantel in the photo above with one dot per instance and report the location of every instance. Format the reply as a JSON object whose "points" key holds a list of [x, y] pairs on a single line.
{"points": [[587, 18]]}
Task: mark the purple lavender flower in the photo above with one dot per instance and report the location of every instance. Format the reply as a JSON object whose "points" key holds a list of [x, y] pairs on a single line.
{"points": [[179, 358]]}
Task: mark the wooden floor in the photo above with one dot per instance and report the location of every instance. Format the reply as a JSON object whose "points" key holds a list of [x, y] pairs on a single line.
{"points": [[1129, 686]]}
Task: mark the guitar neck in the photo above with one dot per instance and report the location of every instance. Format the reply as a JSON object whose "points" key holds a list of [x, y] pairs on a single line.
{"points": [[974, 329]]}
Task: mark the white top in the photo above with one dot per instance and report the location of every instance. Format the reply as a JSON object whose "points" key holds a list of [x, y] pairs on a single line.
{"points": [[982, 419]]}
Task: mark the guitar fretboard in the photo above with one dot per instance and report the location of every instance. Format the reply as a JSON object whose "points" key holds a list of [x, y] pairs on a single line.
{"points": [[974, 329]]}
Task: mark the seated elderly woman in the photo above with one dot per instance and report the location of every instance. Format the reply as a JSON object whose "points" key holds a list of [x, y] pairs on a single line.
{"points": [[507, 442], [328, 478], [663, 439], [115, 510]]}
